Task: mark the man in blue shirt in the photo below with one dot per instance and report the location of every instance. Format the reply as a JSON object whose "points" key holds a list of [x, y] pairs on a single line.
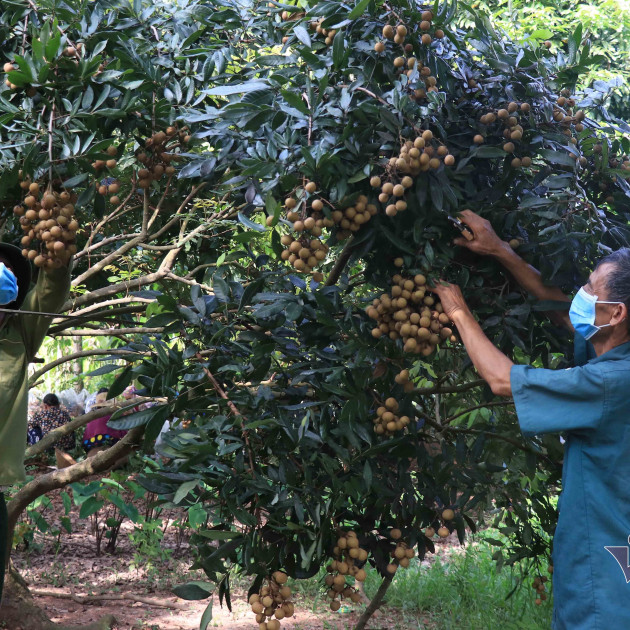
{"points": [[590, 403]]}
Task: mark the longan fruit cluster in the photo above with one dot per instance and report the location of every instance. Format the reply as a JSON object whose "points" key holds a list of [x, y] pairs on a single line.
{"points": [[538, 584], [403, 378], [409, 314], [304, 253], [386, 421], [308, 219], [28, 90], [508, 118], [352, 218], [418, 92], [329, 35], [415, 157], [47, 217], [398, 34], [401, 554], [346, 554], [274, 600], [448, 514], [158, 154]]}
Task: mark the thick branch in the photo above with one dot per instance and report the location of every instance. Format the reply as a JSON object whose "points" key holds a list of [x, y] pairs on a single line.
{"points": [[78, 355], [342, 261], [76, 423], [60, 478], [449, 389], [107, 332], [374, 604], [90, 599]]}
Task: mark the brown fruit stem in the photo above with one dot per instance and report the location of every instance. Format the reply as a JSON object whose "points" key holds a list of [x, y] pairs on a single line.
{"points": [[375, 603]]}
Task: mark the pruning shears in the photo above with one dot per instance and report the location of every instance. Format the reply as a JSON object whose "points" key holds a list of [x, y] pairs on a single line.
{"points": [[465, 231]]}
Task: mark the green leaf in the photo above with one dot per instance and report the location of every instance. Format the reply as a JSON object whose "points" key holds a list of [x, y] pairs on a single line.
{"points": [[90, 506], [194, 591], [183, 490], [216, 534], [358, 10], [295, 101], [239, 88], [137, 419], [367, 474], [339, 51], [251, 224], [52, 47], [121, 383], [302, 34], [206, 618]]}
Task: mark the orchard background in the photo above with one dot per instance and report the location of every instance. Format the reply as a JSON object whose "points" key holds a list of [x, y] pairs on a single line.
{"points": [[256, 195]]}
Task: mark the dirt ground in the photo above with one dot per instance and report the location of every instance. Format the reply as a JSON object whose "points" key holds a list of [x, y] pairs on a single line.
{"points": [[73, 568]]}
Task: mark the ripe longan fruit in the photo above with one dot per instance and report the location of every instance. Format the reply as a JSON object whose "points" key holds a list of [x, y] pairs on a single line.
{"points": [[379, 47], [399, 62], [375, 182], [317, 205], [526, 161], [425, 25], [443, 532], [508, 147], [439, 34], [392, 568], [478, 139], [8, 67], [426, 39], [388, 31], [396, 534], [448, 514], [399, 190], [516, 163], [398, 262]]}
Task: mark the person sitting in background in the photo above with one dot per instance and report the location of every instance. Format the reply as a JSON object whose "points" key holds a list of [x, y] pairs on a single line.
{"points": [[97, 435], [91, 399], [51, 418], [80, 395]]}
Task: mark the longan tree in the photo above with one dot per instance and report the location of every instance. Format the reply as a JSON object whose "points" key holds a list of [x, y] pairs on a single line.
{"points": [[262, 194]]}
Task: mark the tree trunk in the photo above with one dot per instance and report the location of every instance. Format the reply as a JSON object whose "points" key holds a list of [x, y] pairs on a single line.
{"points": [[374, 604], [77, 346], [20, 612]]}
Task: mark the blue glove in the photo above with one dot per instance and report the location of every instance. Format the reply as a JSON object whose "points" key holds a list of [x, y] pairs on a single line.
{"points": [[8, 285]]}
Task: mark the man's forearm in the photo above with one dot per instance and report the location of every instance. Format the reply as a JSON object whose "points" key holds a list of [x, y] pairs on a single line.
{"points": [[493, 366], [527, 276], [530, 279]]}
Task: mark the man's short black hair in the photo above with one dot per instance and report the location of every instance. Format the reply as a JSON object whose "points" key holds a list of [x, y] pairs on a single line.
{"points": [[51, 400], [618, 280], [103, 390]]}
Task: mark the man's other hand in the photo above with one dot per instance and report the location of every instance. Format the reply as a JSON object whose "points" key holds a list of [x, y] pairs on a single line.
{"points": [[485, 241], [451, 297]]}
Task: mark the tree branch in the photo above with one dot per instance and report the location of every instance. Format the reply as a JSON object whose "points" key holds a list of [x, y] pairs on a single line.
{"points": [[342, 261], [52, 437], [103, 332], [101, 462], [91, 599], [374, 604], [449, 389], [78, 355]]}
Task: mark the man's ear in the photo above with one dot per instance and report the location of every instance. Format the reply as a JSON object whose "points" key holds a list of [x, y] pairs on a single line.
{"points": [[619, 314]]}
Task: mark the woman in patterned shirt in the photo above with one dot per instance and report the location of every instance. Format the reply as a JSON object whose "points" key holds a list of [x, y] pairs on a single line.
{"points": [[50, 418]]}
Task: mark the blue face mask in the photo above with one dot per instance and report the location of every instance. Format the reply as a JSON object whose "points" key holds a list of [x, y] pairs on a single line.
{"points": [[8, 285], [582, 313]]}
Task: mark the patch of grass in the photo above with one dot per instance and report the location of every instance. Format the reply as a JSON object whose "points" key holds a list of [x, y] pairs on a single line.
{"points": [[465, 591]]}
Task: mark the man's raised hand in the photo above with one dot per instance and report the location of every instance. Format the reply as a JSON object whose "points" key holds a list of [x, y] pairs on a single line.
{"points": [[485, 241]]}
